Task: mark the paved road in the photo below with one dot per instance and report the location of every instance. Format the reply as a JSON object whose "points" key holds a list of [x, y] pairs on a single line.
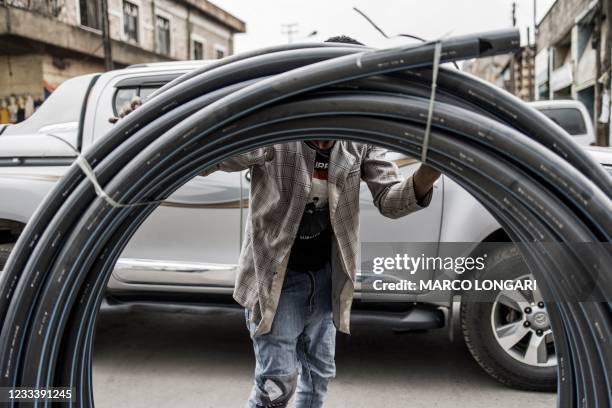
{"points": [[145, 359]]}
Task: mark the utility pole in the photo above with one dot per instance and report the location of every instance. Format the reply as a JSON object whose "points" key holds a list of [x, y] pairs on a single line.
{"points": [[106, 40], [289, 30], [513, 74], [607, 70], [529, 61], [533, 92], [535, 20], [598, 88]]}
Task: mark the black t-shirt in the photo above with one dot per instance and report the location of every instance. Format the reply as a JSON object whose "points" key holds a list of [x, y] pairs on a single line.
{"points": [[312, 247]]}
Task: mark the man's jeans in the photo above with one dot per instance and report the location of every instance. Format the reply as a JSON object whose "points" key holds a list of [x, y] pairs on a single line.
{"points": [[302, 340]]}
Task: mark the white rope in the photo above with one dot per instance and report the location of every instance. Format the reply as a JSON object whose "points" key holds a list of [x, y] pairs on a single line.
{"points": [[432, 98], [91, 175]]}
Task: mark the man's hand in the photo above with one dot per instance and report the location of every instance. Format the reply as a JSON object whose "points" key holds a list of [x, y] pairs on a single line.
{"points": [[126, 109], [423, 180]]}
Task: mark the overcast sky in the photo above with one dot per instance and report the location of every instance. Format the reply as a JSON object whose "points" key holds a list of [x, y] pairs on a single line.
{"points": [[429, 19]]}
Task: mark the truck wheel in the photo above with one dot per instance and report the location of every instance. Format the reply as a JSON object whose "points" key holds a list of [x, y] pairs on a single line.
{"points": [[510, 337], [5, 250]]}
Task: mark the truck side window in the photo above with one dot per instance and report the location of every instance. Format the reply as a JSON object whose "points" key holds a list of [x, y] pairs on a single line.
{"points": [[145, 91], [143, 86], [126, 94], [569, 119], [122, 96]]}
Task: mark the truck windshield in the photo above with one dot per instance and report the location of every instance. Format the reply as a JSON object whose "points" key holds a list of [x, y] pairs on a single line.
{"points": [[63, 107], [570, 119]]}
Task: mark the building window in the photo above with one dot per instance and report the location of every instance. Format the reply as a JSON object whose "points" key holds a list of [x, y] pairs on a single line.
{"points": [[90, 13], [219, 52], [130, 21], [198, 50], [162, 32]]}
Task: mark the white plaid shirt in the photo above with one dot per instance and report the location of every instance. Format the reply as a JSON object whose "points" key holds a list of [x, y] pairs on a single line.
{"points": [[281, 179]]}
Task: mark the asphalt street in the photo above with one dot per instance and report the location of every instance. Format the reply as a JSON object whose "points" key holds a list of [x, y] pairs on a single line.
{"points": [[153, 359]]}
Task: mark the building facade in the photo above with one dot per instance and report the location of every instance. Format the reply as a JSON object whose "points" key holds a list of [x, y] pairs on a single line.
{"points": [[519, 74], [490, 69], [573, 57], [44, 42], [512, 72]]}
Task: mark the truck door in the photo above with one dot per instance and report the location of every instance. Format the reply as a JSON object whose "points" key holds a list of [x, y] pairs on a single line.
{"points": [[415, 234], [192, 240]]}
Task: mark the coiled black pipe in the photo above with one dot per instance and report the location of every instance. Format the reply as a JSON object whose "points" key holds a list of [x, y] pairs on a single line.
{"points": [[511, 158]]}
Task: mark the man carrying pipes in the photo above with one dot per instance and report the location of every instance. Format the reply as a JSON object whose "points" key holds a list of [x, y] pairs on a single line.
{"points": [[298, 259]]}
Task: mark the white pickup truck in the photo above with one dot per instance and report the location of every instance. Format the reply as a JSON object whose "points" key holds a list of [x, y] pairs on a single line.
{"points": [[170, 262], [572, 116]]}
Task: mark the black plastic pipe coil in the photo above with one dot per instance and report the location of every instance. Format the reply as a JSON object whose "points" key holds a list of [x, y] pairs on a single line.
{"points": [[528, 173]]}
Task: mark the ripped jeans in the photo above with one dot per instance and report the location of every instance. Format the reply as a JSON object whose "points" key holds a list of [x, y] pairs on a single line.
{"points": [[298, 353]]}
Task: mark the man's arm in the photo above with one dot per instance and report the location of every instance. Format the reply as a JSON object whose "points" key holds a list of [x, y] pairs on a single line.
{"points": [[423, 180], [243, 161], [393, 195]]}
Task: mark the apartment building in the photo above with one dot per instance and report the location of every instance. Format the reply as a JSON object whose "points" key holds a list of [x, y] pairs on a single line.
{"points": [[44, 42]]}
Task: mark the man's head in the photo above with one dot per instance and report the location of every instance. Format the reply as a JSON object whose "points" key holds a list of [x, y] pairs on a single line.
{"points": [[344, 40]]}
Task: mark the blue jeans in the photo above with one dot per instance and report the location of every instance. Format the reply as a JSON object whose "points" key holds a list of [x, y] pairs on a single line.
{"points": [[299, 350]]}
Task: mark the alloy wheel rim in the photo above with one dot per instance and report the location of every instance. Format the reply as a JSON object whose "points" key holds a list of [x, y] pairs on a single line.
{"points": [[521, 326]]}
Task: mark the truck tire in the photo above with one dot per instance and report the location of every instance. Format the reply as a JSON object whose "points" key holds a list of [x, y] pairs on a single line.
{"points": [[5, 250], [495, 331]]}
